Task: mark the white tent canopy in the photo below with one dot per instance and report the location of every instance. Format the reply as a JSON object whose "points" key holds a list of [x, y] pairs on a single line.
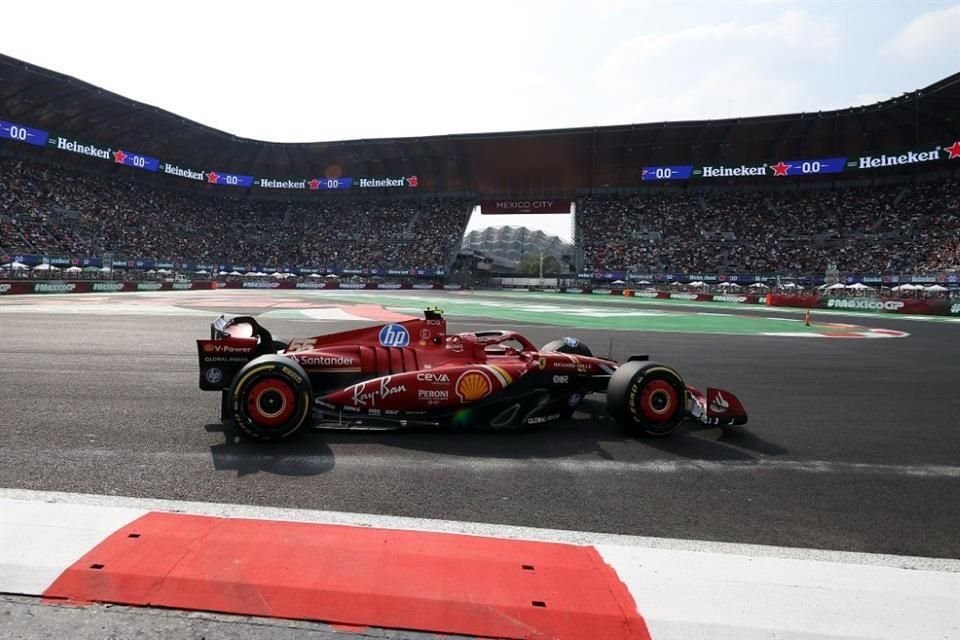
{"points": [[935, 287], [859, 286], [698, 283], [759, 285], [234, 273], [788, 285], [618, 282], [643, 282], [73, 269], [164, 271], [15, 266], [836, 286], [314, 275], [201, 272], [46, 267], [105, 269]]}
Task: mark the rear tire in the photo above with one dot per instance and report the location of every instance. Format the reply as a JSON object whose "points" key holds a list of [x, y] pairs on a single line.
{"points": [[568, 345], [270, 398], [647, 398]]}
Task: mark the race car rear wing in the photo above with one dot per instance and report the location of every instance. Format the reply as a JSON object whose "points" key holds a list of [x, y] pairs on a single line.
{"points": [[233, 343]]}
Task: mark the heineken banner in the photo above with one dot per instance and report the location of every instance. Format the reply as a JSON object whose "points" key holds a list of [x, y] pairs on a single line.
{"points": [[37, 137], [17, 132]]}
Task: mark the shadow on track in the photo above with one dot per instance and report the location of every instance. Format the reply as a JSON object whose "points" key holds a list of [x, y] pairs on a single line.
{"points": [[696, 441], [591, 432], [302, 455]]}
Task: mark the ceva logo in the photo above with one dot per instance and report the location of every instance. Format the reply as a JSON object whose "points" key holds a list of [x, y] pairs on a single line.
{"points": [[4, 288], [394, 335]]}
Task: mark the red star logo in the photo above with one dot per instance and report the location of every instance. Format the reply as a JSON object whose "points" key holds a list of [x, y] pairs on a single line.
{"points": [[413, 181], [314, 184], [212, 177], [780, 169], [119, 156], [953, 150]]}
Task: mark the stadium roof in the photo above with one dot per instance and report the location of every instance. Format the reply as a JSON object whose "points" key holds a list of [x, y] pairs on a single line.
{"points": [[520, 163]]}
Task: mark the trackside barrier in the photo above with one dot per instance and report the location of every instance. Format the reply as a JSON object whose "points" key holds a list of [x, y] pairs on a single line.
{"points": [[689, 296], [19, 287], [922, 306], [933, 306]]}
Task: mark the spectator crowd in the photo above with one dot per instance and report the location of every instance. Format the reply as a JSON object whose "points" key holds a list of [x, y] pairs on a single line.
{"points": [[59, 212], [912, 228], [887, 229]]}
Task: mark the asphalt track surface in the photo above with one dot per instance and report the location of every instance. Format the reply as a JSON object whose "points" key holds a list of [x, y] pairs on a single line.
{"points": [[852, 444]]}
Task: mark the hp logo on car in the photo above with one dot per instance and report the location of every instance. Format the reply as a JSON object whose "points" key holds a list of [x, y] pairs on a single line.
{"points": [[394, 335]]}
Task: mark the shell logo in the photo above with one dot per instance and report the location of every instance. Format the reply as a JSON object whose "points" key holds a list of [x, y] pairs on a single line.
{"points": [[473, 385]]}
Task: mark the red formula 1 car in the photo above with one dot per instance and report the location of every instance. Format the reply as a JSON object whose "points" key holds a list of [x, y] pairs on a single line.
{"points": [[414, 374]]}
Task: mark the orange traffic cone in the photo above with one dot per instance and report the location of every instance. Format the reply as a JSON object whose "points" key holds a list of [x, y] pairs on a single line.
{"points": [[806, 318]]}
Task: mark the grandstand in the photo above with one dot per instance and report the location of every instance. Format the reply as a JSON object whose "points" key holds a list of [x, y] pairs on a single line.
{"points": [[88, 175], [506, 246], [898, 228], [53, 211]]}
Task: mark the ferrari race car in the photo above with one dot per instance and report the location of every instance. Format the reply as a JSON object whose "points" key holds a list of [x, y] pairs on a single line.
{"points": [[413, 373]]}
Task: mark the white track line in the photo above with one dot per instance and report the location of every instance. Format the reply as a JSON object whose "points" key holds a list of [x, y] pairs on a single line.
{"points": [[575, 466]]}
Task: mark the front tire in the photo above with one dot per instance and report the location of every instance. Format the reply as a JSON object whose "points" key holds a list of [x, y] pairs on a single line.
{"points": [[270, 398], [647, 398]]}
